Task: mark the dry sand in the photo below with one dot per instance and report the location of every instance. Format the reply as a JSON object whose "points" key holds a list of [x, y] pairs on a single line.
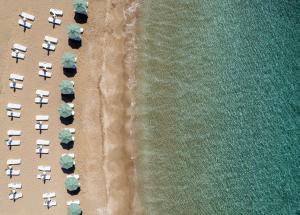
{"points": [[103, 145]]}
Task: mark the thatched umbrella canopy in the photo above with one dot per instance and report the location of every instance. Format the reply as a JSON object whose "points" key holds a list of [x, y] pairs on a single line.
{"points": [[80, 6], [72, 184], [66, 162], [65, 110], [68, 60], [74, 32], [65, 136], [66, 87], [74, 209]]}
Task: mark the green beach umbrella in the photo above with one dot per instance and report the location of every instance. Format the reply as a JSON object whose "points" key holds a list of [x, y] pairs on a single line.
{"points": [[65, 110], [74, 209], [68, 60], [74, 32], [66, 162], [65, 136], [66, 87], [80, 6], [71, 184]]}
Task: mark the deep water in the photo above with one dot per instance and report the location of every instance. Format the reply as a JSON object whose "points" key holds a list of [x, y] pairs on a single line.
{"points": [[218, 107]]}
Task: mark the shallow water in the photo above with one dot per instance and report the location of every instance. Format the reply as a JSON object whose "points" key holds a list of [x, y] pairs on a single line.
{"points": [[218, 107]]}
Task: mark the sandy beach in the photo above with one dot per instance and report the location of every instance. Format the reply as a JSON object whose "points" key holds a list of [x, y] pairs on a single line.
{"points": [[103, 146]]}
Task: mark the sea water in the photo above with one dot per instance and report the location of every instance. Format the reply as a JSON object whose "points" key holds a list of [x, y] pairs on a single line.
{"points": [[218, 107]]}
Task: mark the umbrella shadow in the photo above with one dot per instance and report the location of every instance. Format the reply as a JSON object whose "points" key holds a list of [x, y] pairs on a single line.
{"points": [[67, 97], [69, 171], [80, 18], [68, 120], [67, 146], [70, 72], [75, 44], [74, 192]]}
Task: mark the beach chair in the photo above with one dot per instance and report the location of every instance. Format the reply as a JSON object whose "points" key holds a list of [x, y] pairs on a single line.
{"points": [[50, 47], [12, 172], [42, 92], [14, 133], [44, 168], [42, 177], [51, 39], [45, 74], [73, 202], [39, 100], [42, 127], [15, 196], [14, 106], [13, 142], [16, 85], [48, 195], [27, 16], [19, 47], [45, 65], [16, 77], [73, 175], [15, 186], [55, 21], [50, 204], [19, 55], [24, 24], [81, 30], [72, 155], [56, 12], [13, 114], [41, 151], [42, 117], [42, 142], [13, 162]]}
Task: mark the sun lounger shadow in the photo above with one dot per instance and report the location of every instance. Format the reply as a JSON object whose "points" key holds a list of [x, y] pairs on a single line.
{"points": [[67, 146], [70, 72], [75, 192], [68, 120], [75, 44], [80, 18], [69, 171], [67, 98]]}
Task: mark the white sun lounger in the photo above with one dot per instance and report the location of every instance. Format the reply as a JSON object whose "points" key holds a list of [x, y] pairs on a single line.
{"points": [[17, 86], [43, 151], [45, 65], [14, 106], [74, 175], [17, 196], [42, 92], [56, 11], [43, 127], [20, 55], [13, 162], [48, 195], [16, 76], [44, 168], [41, 101], [12, 172], [27, 16], [40, 176], [42, 142], [13, 114], [19, 47], [51, 204], [15, 185], [51, 47], [72, 130], [51, 39], [13, 143], [14, 132], [72, 155], [42, 117], [54, 21], [45, 74], [24, 24], [81, 30], [73, 202], [71, 105]]}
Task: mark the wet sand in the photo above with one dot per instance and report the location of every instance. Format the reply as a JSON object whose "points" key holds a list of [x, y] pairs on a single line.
{"points": [[103, 145]]}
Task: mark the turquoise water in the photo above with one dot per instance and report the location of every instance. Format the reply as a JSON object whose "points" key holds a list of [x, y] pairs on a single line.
{"points": [[218, 107]]}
